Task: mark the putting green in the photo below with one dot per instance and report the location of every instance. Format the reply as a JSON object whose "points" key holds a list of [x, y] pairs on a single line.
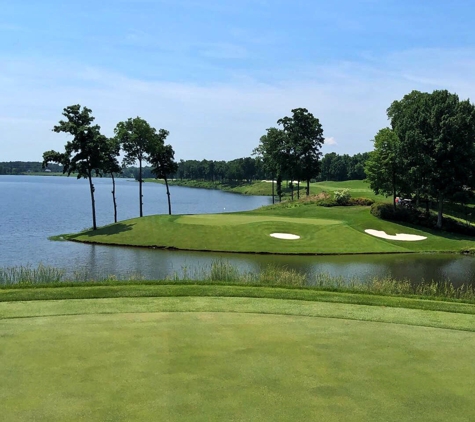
{"points": [[214, 366]]}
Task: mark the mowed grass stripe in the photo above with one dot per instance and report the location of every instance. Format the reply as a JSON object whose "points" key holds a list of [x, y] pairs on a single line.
{"points": [[233, 366], [416, 317], [238, 219]]}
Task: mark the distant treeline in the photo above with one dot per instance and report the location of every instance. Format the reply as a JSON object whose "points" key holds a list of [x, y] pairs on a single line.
{"points": [[22, 167], [333, 167]]}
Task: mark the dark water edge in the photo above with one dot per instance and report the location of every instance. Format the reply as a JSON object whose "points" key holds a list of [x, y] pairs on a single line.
{"points": [[35, 208]]}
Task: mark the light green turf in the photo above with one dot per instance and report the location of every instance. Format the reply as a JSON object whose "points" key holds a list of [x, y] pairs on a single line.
{"points": [[131, 359], [334, 230], [235, 219], [358, 188]]}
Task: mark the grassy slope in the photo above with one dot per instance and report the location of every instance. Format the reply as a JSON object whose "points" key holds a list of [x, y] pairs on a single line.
{"points": [[233, 359], [322, 230], [358, 188]]}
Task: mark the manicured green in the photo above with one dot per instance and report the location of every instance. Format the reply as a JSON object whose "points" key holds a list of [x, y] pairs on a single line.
{"points": [[335, 230], [233, 358]]}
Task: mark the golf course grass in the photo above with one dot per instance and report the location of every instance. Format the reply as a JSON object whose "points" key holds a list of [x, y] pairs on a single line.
{"points": [[357, 188], [220, 358], [322, 230]]}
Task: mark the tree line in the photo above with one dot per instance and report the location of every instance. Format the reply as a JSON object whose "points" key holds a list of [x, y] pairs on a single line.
{"points": [[22, 167], [90, 153], [334, 167], [428, 153]]}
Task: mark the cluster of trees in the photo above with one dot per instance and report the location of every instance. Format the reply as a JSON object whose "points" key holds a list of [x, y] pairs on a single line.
{"points": [[332, 167], [247, 168], [292, 150], [429, 151], [343, 167], [91, 153], [22, 167]]}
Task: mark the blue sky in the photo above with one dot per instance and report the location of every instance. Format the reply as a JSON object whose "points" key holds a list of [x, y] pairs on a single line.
{"points": [[216, 74]]}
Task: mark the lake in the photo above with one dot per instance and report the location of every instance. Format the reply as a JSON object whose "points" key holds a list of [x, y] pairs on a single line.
{"points": [[32, 208]]}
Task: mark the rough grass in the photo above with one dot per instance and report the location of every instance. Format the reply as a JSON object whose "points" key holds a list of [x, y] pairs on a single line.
{"points": [[218, 358]]}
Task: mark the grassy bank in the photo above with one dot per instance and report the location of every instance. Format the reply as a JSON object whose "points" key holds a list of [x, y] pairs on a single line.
{"points": [[213, 353]]}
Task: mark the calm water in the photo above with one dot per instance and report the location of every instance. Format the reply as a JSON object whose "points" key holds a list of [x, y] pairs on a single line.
{"points": [[34, 208]]}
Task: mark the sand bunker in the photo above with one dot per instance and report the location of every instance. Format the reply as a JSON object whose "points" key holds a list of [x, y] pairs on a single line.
{"points": [[399, 236], [286, 236]]}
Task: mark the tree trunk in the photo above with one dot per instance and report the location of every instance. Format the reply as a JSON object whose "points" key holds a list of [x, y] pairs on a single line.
{"points": [[298, 189], [91, 188], [168, 196], [394, 190], [439, 214], [308, 187], [273, 201], [140, 188], [292, 188], [113, 198]]}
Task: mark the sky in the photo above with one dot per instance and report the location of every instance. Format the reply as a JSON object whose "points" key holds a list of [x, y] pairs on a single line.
{"points": [[217, 73]]}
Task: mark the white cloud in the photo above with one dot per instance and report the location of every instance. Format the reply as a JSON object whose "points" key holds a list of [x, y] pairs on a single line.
{"points": [[220, 120]]}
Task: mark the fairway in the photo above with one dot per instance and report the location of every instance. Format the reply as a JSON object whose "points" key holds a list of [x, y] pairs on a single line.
{"points": [[131, 359]]}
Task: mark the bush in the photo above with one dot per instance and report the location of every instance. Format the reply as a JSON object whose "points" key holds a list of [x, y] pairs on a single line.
{"points": [[342, 197], [361, 201], [327, 203], [387, 212]]}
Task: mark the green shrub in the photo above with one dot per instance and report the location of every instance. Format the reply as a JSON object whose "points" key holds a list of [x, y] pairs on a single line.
{"points": [[327, 203], [342, 197], [361, 201]]}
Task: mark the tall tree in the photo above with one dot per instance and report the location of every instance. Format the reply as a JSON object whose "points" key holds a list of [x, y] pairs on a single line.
{"points": [[437, 132], [272, 151], [161, 157], [134, 135], [384, 169], [305, 138], [83, 154], [111, 165]]}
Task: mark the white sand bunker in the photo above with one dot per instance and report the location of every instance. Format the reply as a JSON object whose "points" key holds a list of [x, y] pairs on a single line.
{"points": [[399, 236], [286, 236]]}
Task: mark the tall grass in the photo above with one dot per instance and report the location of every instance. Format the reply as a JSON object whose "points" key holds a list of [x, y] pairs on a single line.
{"points": [[271, 275], [43, 274], [27, 275], [222, 271]]}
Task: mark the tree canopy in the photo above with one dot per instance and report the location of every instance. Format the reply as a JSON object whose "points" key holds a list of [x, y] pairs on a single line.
{"points": [[304, 138], [384, 167], [435, 151], [135, 136], [84, 153]]}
